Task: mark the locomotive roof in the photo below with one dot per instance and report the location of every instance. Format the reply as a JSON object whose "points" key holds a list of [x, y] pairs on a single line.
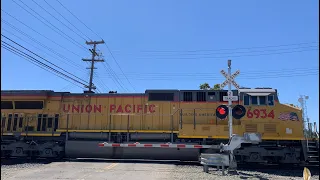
{"points": [[51, 92]]}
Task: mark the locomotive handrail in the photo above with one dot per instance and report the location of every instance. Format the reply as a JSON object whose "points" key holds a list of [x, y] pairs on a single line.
{"points": [[316, 130], [175, 111]]}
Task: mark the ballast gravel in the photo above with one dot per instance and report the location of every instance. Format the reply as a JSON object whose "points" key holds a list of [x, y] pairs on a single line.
{"points": [[138, 170]]}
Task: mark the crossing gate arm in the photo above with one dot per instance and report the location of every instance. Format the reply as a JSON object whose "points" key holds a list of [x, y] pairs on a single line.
{"points": [[168, 145]]}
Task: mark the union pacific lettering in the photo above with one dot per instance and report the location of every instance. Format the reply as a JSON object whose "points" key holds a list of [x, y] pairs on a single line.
{"points": [[128, 108], [113, 108], [82, 108]]}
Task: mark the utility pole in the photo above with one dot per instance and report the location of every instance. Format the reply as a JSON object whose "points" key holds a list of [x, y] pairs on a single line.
{"points": [[92, 60]]}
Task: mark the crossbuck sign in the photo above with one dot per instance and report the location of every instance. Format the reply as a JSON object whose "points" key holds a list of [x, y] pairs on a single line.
{"points": [[229, 79]]}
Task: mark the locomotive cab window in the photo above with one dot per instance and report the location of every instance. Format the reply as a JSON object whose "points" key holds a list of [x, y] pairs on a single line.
{"points": [[258, 100], [161, 96], [254, 100], [271, 100], [28, 104], [246, 100], [262, 100]]}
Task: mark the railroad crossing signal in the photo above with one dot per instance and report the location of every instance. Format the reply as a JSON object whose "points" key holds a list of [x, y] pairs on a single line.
{"points": [[238, 111], [229, 79]]}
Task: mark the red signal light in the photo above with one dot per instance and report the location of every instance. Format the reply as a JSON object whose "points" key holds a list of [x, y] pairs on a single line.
{"points": [[221, 110], [238, 111]]}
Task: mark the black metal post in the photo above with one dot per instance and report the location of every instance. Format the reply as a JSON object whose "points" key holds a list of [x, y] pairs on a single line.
{"points": [[171, 117], [194, 118], [128, 128], [180, 118], [67, 134], [28, 126]]}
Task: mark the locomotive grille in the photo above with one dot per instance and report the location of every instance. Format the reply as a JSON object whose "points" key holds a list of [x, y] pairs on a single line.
{"points": [[251, 128], [270, 128]]}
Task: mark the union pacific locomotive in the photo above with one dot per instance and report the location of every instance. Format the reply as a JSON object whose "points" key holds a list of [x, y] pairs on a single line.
{"points": [[48, 124]]}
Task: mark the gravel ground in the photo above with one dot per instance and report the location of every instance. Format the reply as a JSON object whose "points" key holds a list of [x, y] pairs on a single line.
{"points": [[140, 170]]}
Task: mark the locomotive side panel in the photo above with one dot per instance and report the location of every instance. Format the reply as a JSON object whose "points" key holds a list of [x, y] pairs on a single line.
{"points": [[160, 119], [165, 116], [199, 120], [24, 111], [103, 112], [266, 115], [290, 122], [125, 112]]}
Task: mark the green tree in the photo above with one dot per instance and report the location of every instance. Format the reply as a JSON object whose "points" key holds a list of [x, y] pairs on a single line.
{"points": [[216, 87], [204, 86]]}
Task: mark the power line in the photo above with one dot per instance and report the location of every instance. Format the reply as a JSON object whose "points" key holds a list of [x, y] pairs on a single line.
{"points": [[219, 78], [101, 38], [37, 61], [224, 53], [212, 75], [247, 55], [24, 57], [17, 51], [41, 34], [162, 74], [101, 82], [40, 57], [60, 33], [58, 20], [231, 49], [78, 18], [113, 75], [120, 67], [66, 19], [44, 46], [70, 62]]}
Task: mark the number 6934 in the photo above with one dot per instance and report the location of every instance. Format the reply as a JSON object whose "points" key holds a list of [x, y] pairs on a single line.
{"points": [[260, 113]]}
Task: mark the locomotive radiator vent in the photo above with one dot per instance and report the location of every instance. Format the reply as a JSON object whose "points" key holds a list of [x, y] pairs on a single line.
{"points": [[270, 128], [251, 128]]}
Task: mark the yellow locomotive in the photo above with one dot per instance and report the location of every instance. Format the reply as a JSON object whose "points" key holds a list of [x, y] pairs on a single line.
{"points": [[62, 124]]}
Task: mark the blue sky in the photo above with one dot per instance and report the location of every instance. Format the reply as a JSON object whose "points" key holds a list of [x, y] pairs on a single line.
{"points": [[171, 45]]}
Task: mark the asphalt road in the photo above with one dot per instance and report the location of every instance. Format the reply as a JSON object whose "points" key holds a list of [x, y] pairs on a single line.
{"points": [[133, 170]]}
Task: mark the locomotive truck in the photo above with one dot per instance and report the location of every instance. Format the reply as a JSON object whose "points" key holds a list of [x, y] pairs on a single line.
{"points": [[48, 124]]}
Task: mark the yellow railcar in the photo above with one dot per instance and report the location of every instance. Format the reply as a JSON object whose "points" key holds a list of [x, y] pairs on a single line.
{"points": [[67, 122]]}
